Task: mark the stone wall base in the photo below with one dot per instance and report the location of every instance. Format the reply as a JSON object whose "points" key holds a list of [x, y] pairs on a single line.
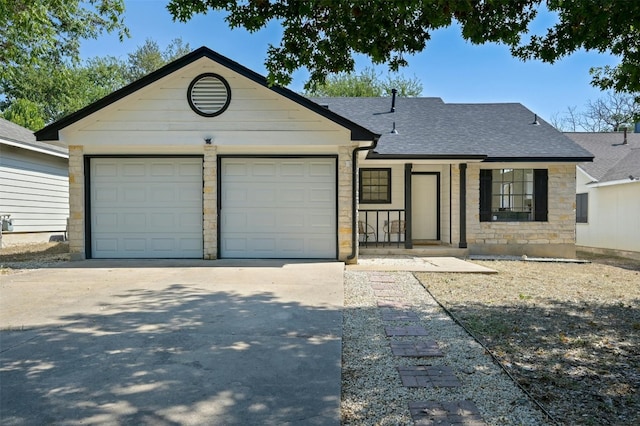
{"points": [[567, 251], [610, 252]]}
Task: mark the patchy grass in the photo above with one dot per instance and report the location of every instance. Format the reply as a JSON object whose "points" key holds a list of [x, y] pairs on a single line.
{"points": [[569, 333]]}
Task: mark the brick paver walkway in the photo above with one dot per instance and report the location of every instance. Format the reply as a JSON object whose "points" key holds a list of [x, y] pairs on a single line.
{"points": [[398, 315], [410, 330], [428, 348], [394, 308], [427, 413], [424, 376]]}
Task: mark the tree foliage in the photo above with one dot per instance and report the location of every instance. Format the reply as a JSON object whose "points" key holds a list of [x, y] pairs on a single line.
{"points": [[42, 94], [24, 113], [324, 35], [58, 91], [365, 84], [47, 33], [149, 57], [610, 113]]}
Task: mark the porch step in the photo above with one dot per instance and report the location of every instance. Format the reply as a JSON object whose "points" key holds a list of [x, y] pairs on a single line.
{"points": [[421, 251]]}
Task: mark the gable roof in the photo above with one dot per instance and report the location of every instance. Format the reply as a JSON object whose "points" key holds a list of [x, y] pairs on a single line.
{"points": [[613, 159], [50, 132], [21, 137], [431, 128]]}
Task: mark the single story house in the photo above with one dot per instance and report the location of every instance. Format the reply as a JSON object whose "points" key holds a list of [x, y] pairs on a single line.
{"points": [[203, 159], [34, 187], [608, 194]]}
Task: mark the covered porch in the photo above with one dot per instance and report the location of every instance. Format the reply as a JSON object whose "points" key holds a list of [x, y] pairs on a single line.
{"points": [[409, 208]]}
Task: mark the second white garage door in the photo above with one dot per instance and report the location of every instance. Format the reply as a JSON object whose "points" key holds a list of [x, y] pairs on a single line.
{"points": [[278, 208]]}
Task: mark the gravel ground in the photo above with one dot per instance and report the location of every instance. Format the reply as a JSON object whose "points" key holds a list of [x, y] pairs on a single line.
{"points": [[372, 392]]}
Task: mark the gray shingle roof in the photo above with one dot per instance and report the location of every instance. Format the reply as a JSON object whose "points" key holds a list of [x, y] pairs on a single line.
{"points": [[428, 127], [613, 159], [11, 132]]}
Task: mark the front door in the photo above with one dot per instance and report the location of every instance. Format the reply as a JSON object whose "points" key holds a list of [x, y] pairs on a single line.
{"points": [[424, 207]]}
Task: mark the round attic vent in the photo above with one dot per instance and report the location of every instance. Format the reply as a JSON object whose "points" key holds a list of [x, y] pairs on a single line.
{"points": [[209, 95]]}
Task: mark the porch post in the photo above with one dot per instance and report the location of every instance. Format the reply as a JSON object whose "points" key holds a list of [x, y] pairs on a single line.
{"points": [[463, 206], [408, 241]]}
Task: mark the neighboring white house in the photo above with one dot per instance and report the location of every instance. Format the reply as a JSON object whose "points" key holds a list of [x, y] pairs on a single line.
{"points": [[34, 187], [608, 194]]}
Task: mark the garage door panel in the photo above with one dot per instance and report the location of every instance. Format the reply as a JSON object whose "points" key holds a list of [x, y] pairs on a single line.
{"points": [[189, 170], [105, 169], [105, 195], [234, 219], [277, 207], [133, 169], [136, 194], [150, 207], [293, 169], [321, 170], [292, 245]]}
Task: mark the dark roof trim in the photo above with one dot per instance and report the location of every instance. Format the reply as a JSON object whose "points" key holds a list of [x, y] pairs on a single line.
{"points": [[538, 159], [376, 156], [50, 132]]}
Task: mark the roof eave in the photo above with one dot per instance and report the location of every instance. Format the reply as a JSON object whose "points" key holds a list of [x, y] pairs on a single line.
{"points": [[30, 147], [538, 159], [613, 182], [456, 157]]}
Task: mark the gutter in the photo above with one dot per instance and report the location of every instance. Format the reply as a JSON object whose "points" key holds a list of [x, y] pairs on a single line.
{"points": [[597, 184], [34, 148], [354, 199]]}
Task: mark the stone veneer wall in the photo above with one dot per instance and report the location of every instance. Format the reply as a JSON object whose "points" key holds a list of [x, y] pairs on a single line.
{"points": [[345, 197], [209, 202], [554, 238], [76, 203]]}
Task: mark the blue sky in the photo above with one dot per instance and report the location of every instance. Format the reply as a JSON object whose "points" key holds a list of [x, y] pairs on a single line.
{"points": [[449, 68]]}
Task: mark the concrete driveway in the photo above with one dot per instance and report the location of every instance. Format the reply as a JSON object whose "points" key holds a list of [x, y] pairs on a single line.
{"points": [[172, 343]]}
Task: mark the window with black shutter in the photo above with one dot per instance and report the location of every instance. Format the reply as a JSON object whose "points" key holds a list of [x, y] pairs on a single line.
{"points": [[513, 195]]}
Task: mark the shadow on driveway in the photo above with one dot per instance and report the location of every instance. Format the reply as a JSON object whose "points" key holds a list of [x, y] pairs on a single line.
{"points": [[177, 353]]}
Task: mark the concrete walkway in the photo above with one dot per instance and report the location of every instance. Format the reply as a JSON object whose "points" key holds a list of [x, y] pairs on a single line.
{"points": [[417, 264], [169, 343]]}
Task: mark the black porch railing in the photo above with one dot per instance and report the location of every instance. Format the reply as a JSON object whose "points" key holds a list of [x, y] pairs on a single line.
{"points": [[380, 228]]}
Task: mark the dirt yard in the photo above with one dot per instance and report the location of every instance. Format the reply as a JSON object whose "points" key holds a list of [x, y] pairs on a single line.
{"points": [[15, 258], [568, 333]]}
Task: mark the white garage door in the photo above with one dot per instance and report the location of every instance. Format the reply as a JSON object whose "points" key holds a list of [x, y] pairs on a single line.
{"points": [[278, 208], [146, 208]]}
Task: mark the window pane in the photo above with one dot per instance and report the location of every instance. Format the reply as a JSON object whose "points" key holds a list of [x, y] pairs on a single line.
{"points": [[375, 185], [512, 194]]}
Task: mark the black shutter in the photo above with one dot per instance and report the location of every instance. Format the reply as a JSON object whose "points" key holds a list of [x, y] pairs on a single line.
{"points": [[540, 194], [485, 195]]}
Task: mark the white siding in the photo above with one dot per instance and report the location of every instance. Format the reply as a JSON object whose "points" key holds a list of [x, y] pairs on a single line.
{"points": [[159, 117], [613, 216], [34, 190]]}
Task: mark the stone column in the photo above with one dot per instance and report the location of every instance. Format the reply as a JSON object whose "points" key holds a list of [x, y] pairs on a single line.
{"points": [[76, 229], [345, 201], [209, 202]]}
